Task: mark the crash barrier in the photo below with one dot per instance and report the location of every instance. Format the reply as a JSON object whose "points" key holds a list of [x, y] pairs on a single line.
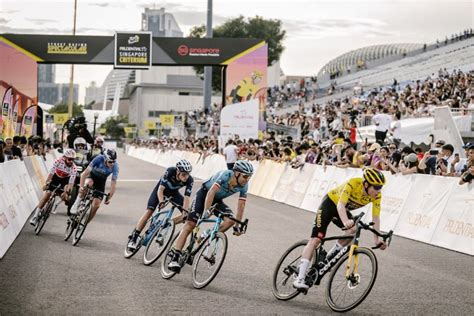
{"points": [[432, 209], [20, 189]]}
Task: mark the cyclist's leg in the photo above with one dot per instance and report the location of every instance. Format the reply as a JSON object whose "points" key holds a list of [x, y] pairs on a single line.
{"points": [[151, 206], [89, 183], [323, 217], [227, 223], [340, 242], [94, 208], [99, 185], [178, 199]]}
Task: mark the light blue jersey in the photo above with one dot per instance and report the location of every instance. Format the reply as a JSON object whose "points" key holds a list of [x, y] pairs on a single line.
{"points": [[221, 179]]}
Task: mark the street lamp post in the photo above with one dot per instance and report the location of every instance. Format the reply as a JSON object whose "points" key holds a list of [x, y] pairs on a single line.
{"points": [[96, 116]]}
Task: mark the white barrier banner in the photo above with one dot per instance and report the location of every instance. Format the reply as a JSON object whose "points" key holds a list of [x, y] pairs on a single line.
{"points": [[255, 165], [455, 229], [299, 185], [319, 185], [260, 177], [423, 207], [282, 189], [394, 195], [271, 179]]}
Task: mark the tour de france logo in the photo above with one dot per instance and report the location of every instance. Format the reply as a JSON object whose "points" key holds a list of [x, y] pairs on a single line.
{"points": [[133, 39]]}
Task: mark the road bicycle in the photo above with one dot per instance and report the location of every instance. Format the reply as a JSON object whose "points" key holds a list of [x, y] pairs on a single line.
{"points": [[45, 212], [353, 270], [77, 223], [158, 236], [206, 253]]}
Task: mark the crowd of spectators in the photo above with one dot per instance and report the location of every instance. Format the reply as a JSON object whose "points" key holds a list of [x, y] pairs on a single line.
{"points": [[18, 147]]}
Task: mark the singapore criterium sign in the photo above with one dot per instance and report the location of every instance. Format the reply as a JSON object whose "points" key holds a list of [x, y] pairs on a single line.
{"points": [[133, 50]]}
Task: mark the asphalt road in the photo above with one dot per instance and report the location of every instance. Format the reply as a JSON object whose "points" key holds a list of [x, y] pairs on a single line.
{"points": [[45, 275]]}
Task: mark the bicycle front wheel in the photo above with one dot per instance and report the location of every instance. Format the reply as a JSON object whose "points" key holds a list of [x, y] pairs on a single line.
{"points": [[345, 293], [286, 271], [209, 260], [44, 216], [82, 224], [158, 242], [70, 226], [165, 272]]}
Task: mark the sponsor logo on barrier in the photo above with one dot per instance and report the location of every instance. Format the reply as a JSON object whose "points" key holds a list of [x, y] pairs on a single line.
{"points": [[12, 211], [3, 221], [392, 205], [459, 228], [419, 220]]}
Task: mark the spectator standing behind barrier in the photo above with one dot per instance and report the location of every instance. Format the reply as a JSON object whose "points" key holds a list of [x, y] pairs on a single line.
{"points": [[16, 147], [8, 148], [382, 123], [2, 155], [396, 130], [230, 154]]}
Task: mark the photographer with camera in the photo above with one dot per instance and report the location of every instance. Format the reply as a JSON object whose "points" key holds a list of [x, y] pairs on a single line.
{"points": [[77, 127]]}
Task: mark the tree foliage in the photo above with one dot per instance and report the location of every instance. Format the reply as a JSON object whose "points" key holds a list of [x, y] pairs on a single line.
{"points": [[114, 126], [63, 108], [269, 30]]}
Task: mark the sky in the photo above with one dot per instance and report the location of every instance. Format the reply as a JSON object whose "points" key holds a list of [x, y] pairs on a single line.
{"points": [[316, 31]]}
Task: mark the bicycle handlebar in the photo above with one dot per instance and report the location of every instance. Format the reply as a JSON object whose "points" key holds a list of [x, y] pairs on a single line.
{"points": [[358, 221], [243, 224]]}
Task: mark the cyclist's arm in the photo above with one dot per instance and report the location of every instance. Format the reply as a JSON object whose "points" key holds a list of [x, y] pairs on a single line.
{"points": [[187, 202], [84, 176], [161, 193], [210, 196], [113, 185], [341, 205], [376, 220], [240, 208], [48, 179]]}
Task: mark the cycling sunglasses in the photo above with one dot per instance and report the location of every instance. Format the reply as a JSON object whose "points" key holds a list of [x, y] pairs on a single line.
{"points": [[246, 176], [377, 187], [69, 159], [111, 161]]}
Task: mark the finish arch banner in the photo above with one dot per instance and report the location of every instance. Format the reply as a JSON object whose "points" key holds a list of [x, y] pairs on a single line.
{"points": [[424, 206], [455, 229]]}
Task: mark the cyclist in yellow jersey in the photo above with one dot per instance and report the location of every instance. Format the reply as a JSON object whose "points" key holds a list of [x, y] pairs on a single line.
{"points": [[336, 207]]}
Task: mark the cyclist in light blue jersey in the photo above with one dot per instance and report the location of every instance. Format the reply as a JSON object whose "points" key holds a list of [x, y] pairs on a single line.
{"points": [[220, 186], [95, 177]]}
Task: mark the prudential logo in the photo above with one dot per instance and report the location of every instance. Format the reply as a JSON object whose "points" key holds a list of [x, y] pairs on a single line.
{"points": [[133, 39]]}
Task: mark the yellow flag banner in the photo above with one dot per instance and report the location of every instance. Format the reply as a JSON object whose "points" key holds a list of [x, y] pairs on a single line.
{"points": [[102, 130], [149, 124], [60, 119], [167, 120], [129, 130]]}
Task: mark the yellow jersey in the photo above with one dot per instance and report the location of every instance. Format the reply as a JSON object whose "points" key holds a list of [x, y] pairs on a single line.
{"points": [[353, 194]]}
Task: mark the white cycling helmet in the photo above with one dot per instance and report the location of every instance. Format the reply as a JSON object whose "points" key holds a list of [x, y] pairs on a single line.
{"points": [[184, 166], [70, 153], [244, 167], [79, 141]]}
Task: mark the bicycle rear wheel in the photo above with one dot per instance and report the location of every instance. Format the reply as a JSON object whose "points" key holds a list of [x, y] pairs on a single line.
{"points": [[209, 260], [81, 224], [158, 242], [344, 294], [286, 271], [165, 272], [44, 214]]}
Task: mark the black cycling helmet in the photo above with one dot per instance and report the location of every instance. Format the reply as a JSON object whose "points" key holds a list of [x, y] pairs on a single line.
{"points": [[184, 166], [244, 167], [374, 177], [110, 155]]}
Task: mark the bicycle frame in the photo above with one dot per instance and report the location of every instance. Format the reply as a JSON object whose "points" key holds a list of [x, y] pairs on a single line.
{"points": [[217, 223]]}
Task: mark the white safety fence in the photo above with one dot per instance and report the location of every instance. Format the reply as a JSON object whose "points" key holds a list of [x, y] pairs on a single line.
{"points": [[20, 189], [431, 209]]}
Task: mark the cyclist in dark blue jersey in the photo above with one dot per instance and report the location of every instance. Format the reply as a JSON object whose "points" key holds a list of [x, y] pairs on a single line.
{"points": [[220, 186], [95, 176], [169, 185]]}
